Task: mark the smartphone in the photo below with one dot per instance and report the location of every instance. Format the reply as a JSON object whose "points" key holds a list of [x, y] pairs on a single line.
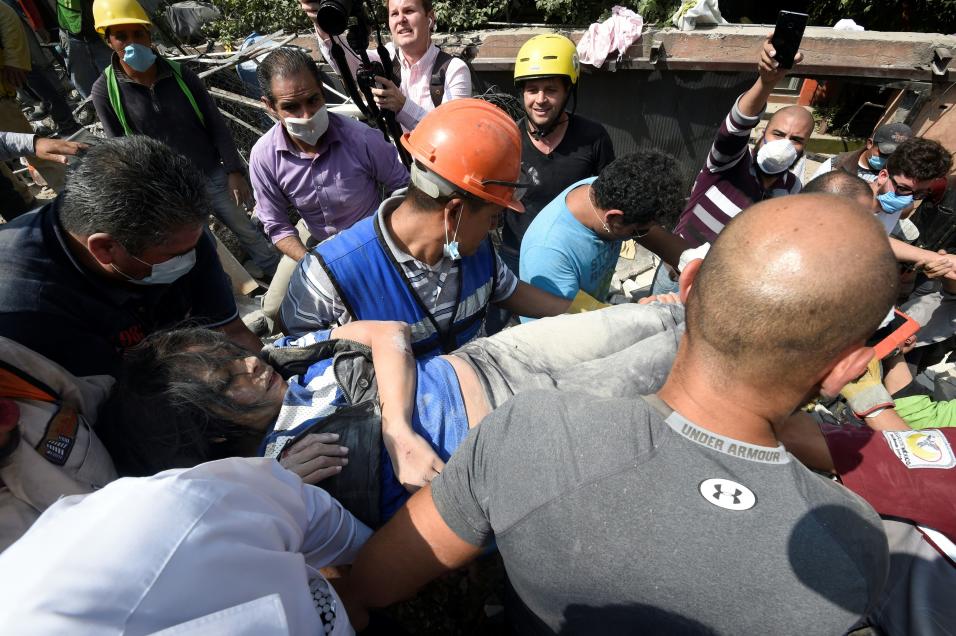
{"points": [[892, 336], [787, 36]]}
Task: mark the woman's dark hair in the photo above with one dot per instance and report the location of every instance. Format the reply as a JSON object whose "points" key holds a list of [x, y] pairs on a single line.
{"points": [[169, 407]]}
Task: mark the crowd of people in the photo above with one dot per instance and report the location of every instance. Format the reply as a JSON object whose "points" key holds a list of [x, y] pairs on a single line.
{"points": [[752, 448]]}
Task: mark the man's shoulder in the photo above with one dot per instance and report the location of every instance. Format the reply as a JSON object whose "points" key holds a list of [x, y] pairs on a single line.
{"points": [[265, 146], [347, 126], [588, 130]]}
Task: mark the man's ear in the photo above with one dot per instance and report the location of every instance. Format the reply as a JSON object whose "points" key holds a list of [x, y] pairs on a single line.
{"points": [[687, 277], [102, 246], [848, 368], [614, 216], [869, 143], [268, 104]]}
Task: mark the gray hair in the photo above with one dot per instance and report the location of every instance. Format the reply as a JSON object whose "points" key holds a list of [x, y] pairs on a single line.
{"points": [[136, 189]]}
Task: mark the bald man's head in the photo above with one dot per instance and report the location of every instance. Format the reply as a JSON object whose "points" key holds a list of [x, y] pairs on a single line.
{"points": [[789, 285], [792, 122]]}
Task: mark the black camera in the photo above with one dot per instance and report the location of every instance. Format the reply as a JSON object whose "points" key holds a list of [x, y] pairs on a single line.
{"points": [[365, 74], [333, 15]]}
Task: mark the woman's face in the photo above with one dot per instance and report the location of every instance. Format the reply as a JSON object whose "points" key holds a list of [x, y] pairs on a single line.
{"points": [[253, 382], [409, 23]]}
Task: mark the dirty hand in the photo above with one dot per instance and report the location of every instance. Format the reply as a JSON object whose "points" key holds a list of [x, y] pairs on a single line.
{"points": [[769, 68], [867, 394], [945, 265], [56, 149], [240, 190], [414, 461], [667, 299], [389, 96], [315, 457]]}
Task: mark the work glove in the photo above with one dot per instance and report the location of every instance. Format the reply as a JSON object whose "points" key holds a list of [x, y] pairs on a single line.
{"points": [[867, 395]]}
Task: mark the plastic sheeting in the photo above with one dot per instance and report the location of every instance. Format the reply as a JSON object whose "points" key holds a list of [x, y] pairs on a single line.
{"points": [[615, 34]]}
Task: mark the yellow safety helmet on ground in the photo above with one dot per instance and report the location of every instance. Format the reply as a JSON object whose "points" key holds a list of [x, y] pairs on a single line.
{"points": [[107, 13], [548, 55]]}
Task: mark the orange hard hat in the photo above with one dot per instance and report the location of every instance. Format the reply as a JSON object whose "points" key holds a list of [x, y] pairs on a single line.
{"points": [[473, 145]]}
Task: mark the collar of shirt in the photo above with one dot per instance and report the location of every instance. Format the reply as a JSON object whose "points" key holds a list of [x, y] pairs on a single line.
{"points": [[116, 293], [283, 143], [425, 62], [388, 206], [163, 70]]}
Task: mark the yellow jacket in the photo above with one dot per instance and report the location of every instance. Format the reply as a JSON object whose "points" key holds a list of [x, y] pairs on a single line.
{"points": [[14, 50]]}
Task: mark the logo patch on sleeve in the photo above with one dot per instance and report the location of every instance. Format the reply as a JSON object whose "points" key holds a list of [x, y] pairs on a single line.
{"points": [[60, 436], [921, 449]]}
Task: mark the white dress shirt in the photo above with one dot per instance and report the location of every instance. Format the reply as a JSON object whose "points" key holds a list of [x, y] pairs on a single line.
{"points": [[416, 79], [222, 548]]}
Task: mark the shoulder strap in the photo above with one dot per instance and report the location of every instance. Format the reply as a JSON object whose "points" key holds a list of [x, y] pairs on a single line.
{"points": [[178, 74], [437, 83], [112, 90]]}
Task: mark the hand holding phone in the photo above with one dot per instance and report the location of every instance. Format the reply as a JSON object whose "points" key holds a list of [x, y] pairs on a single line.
{"points": [[787, 36]]}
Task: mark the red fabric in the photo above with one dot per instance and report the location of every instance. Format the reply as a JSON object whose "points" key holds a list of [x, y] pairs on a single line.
{"points": [[867, 465], [32, 13]]}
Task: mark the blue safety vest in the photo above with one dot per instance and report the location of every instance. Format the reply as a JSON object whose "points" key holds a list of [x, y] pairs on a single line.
{"points": [[373, 286]]}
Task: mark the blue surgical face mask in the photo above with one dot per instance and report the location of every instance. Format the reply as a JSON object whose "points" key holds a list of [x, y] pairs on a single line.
{"points": [[893, 203], [139, 57], [877, 162], [163, 273]]}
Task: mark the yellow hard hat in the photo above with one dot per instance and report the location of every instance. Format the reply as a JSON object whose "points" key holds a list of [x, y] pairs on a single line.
{"points": [[107, 13], [547, 55]]}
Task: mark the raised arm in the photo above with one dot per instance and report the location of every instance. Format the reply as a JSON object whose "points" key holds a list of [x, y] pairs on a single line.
{"points": [[414, 460]]}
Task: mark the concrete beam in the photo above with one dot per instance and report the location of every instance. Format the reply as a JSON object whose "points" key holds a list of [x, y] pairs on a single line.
{"points": [[828, 53]]}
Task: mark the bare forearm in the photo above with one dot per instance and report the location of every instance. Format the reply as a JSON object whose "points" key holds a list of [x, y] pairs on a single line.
{"points": [[754, 101], [897, 375], [292, 247], [666, 245], [394, 365], [528, 300], [887, 420]]}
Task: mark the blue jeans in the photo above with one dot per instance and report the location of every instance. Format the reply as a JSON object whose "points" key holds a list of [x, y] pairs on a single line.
{"points": [[253, 241], [86, 61], [662, 282]]}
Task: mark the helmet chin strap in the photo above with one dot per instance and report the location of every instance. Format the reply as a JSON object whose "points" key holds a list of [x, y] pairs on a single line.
{"points": [[540, 132]]}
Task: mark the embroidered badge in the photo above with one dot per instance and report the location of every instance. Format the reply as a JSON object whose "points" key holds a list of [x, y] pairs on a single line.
{"points": [[60, 436], [921, 449], [727, 494]]}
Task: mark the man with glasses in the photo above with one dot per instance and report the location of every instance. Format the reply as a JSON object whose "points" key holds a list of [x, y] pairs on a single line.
{"points": [[425, 258], [572, 246]]}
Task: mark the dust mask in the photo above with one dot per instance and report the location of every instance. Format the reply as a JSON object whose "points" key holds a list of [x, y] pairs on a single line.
{"points": [[308, 129], [776, 156]]}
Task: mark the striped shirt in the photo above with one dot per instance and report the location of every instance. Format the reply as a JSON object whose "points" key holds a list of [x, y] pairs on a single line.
{"points": [[728, 182], [312, 302]]}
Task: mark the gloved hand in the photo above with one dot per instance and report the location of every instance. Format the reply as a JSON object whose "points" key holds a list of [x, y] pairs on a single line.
{"points": [[866, 394]]}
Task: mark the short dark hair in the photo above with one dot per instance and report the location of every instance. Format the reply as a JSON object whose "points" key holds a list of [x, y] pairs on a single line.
{"points": [[648, 186], [920, 159], [839, 182], [169, 407], [286, 61], [136, 189]]}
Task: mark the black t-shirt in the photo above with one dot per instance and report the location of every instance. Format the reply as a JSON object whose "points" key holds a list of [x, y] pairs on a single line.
{"points": [[82, 321], [584, 151]]}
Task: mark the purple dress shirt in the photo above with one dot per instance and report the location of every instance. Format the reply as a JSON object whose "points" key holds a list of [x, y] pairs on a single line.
{"points": [[332, 189]]}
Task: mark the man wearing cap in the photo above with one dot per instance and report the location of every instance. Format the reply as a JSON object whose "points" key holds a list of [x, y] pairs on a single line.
{"points": [[867, 162], [425, 257]]}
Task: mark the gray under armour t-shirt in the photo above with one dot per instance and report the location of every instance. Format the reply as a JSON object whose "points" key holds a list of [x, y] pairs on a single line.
{"points": [[610, 519]]}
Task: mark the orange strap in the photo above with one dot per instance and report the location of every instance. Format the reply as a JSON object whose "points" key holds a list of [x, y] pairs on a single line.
{"points": [[16, 386]]}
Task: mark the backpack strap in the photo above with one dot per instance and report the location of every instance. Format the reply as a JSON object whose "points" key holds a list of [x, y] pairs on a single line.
{"points": [[112, 90], [436, 84], [178, 74]]}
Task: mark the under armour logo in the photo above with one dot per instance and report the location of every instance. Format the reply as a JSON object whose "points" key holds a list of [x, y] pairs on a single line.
{"points": [[719, 492], [727, 494]]}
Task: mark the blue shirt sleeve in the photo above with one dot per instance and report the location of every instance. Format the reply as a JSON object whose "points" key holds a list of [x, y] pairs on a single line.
{"points": [[550, 270]]}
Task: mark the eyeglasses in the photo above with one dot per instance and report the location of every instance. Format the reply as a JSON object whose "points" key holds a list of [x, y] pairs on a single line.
{"points": [[905, 190], [639, 234]]}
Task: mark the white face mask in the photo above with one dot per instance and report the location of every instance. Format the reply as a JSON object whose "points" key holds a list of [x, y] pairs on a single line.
{"points": [[776, 156], [163, 273], [308, 129]]}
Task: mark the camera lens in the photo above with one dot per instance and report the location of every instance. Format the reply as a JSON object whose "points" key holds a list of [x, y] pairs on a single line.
{"points": [[333, 16]]}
